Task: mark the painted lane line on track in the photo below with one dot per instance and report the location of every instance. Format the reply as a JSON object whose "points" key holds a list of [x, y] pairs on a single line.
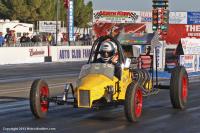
{"points": [[50, 85], [22, 90], [36, 77]]}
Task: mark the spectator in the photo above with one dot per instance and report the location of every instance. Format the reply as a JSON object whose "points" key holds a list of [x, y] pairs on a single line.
{"points": [[28, 38], [1, 40], [11, 39], [23, 38], [49, 39]]}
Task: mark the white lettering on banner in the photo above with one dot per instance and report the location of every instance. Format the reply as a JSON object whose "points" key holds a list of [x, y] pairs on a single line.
{"points": [[188, 61], [36, 52], [192, 28]]}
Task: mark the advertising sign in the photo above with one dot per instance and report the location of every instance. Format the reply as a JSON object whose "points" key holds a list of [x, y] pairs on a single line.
{"points": [[116, 16], [71, 20], [73, 53], [146, 16], [191, 46], [178, 17], [178, 31], [102, 29], [36, 52], [49, 26], [193, 17], [188, 61]]}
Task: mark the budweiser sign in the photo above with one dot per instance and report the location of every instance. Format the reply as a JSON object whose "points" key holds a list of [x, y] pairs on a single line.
{"points": [[36, 52]]}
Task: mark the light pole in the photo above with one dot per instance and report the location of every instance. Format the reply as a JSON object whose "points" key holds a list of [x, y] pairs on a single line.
{"points": [[57, 17]]}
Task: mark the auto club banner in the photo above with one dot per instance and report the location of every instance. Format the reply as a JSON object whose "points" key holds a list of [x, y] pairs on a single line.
{"points": [[116, 16], [178, 31]]}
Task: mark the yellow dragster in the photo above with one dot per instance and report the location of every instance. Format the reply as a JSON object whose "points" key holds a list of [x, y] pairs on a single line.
{"points": [[103, 84]]}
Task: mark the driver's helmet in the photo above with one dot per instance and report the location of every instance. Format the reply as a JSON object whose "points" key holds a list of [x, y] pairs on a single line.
{"points": [[107, 50]]}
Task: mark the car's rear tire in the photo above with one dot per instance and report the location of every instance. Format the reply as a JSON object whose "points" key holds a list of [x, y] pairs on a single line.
{"points": [[179, 87], [133, 103], [39, 94]]}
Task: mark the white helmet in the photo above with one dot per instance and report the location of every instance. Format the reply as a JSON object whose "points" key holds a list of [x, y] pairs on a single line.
{"points": [[107, 50]]}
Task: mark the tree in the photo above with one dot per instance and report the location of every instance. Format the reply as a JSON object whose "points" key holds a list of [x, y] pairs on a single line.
{"points": [[83, 13], [37, 10]]}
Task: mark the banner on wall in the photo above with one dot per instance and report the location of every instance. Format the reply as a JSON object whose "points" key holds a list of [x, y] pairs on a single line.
{"points": [[178, 17], [73, 53], [188, 61], [115, 16], [146, 16], [193, 17], [101, 29], [191, 46], [178, 31]]}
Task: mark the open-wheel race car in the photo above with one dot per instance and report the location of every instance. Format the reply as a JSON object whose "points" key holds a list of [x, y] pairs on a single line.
{"points": [[105, 84]]}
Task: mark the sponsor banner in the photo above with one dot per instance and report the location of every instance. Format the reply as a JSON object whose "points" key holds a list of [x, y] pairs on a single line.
{"points": [[71, 20], [178, 17], [146, 16], [188, 61], [72, 53], [49, 26], [37, 52], [193, 17], [178, 31], [18, 55], [191, 46], [116, 16], [198, 63], [101, 29]]}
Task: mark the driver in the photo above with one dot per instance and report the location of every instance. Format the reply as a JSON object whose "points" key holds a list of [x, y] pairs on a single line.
{"points": [[109, 54]]}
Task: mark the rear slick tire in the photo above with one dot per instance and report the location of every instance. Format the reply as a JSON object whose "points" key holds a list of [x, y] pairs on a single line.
{"points": [[133, 103], [179, 88], [39, 94]]}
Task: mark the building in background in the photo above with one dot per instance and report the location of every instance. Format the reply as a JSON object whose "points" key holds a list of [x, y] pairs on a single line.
{"points": [[17, 27]]}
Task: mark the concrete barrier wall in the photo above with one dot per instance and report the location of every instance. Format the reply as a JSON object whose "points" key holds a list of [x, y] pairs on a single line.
{"points": [[18, 55]]}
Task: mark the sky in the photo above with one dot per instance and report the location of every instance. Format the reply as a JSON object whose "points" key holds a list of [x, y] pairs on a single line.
{"points": [[144, 5]]}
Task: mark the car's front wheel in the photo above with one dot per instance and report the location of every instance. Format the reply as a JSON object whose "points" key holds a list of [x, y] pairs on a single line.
{"points": [[133, 103], [39, 94]]}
